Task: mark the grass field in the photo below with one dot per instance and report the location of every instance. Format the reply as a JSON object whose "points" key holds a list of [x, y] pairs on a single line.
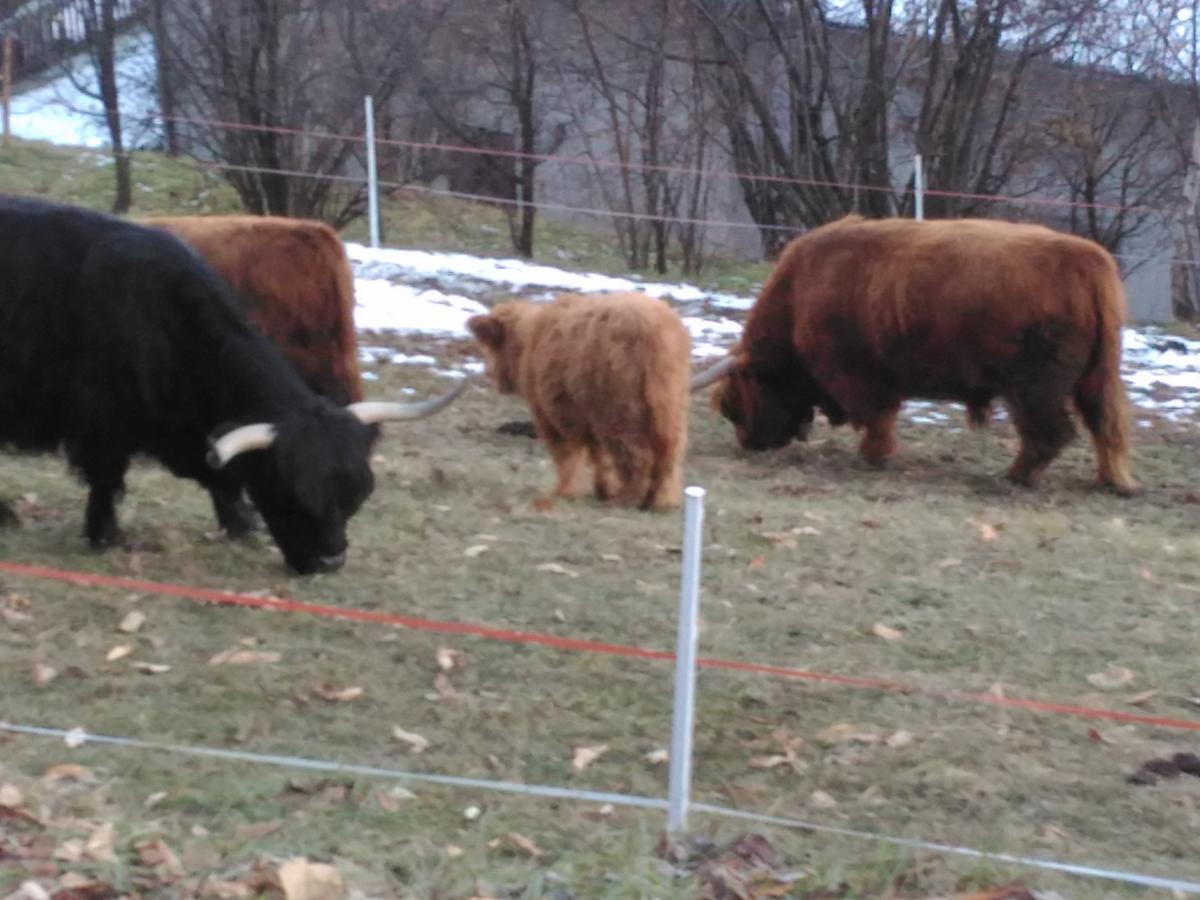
{"points": [[1063, 594]]}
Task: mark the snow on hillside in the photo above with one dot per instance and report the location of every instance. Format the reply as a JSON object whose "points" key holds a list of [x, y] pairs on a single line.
{"points": [[422, 292], [64, 110]]}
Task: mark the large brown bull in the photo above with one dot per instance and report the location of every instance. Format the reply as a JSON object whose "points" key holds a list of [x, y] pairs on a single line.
{"points": [[860, 315], [605, 377], [298, 287]]}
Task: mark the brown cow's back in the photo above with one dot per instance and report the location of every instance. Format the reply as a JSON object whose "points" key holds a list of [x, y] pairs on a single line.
{"points": [[297, 284]]}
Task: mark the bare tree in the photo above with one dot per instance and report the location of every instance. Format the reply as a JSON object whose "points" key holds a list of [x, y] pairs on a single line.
{"points": [[99, 42], [498, 67], [288, 72]]}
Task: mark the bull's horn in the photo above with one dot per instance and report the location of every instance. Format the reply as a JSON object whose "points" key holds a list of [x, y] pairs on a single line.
{"points": [[714, 373], [248, 437], [372, 412]]}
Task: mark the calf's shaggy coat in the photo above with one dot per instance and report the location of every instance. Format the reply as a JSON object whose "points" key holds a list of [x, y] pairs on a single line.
{"points": [[606, 378]]}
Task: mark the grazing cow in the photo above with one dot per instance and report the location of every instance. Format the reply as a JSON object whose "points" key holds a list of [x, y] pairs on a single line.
{"points": [[860, 315], [605, 376], [116, 339], [298, 287]]}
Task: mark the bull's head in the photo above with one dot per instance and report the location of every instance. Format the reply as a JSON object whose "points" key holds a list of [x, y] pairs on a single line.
{"points": [[313, 472], [769, 406]]}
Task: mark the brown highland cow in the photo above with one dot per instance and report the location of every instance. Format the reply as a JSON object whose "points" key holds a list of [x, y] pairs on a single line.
{"points": [[298, 287], [860, 315], [605, 376]]}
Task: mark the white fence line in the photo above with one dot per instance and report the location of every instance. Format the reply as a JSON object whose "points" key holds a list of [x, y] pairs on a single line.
{"points": [[79, 737]]}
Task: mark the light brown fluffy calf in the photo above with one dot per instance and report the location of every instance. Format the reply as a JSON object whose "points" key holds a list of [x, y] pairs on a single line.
{"points": [[606, 377]]}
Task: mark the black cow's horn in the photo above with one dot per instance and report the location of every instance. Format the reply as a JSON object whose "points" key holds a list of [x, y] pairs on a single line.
{"points": [[248, 437], [714, 374], [372, 412]]}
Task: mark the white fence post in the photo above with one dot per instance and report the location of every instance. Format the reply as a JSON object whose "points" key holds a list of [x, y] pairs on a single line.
{"points": [[372, 174], [680, 788], [918, 188]]}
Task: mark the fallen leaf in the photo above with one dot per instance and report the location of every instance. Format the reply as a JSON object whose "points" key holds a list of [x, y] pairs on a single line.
{"points": [[253, 831], [327, 691], [757, 563], [1148, 576], [68, 772], [10, 795], [471, 813], [1139, 699], [886, 632], [453, 851], [418, 743], [154, 799], [582, 757], [244, 657], [845, 733], [99, 846], [770, 762], [821, 800], [224, 890], [155, 854], [476, 550], [133, 622], [43, 674], [304, 880], [29, 890], [447, 659], [392, 799], [118, 652], [70, 851], [611, 557], [524, 844], [657, 756], [556, 569], [152, 668], [900, 739], [987, 533], [1111, 678]]}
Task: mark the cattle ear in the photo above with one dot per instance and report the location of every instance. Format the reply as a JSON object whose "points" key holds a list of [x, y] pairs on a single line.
{"points": [[488, 330]]}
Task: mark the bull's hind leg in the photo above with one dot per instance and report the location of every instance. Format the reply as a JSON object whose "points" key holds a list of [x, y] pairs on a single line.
{"points": [[631, 464], [665, 489], [604, 477], [1044, 427], [8, 516], [879, 436], [568, 457], [103, 469]]}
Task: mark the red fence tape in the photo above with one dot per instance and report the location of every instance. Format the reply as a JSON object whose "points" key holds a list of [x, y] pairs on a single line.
{"points": [[280, 604]]}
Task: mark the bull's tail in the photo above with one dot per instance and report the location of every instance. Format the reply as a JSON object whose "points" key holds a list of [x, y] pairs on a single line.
{"points": [[1100, 393]]}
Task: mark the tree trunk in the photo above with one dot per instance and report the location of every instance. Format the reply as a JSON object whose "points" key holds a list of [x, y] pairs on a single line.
{"points": [[106, 68], [166, 87], [1185, 296]]}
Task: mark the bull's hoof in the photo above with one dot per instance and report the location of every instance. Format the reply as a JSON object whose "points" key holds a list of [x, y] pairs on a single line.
{"points": [[106, 538], [518, 429], [1120, 490]]}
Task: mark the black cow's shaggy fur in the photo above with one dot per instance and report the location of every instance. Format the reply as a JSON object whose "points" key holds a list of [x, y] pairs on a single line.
{"points": [[116, 339]]}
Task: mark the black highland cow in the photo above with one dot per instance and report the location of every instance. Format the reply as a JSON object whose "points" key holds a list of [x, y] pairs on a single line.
{"points": [[117, 339]]}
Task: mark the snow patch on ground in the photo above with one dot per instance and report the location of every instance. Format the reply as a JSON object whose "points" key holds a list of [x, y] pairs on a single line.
{"points": [[423, 292]]}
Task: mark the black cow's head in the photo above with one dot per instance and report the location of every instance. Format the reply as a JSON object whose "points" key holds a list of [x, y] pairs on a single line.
{"points": [[768, 405], [310, 472]]}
